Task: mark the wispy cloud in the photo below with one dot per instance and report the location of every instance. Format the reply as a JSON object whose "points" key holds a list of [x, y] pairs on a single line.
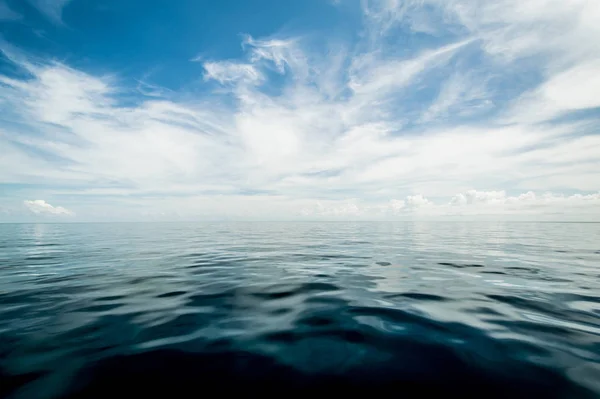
{"points": [[460, 95], [231, 72], [301, 128]]}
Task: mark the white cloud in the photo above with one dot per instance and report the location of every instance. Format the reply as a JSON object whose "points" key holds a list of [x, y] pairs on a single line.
{"points": [[309, 126], [41, 207], [460, 95], [573, 89], [576, 88], [369, 74], [562, 36], [280, 52], [230, 72], [473, 203], [498, 203], [416, 201], [478, 197], [513, 29]]}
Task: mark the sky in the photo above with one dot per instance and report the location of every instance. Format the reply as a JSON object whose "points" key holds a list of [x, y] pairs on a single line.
{"points": [[149, 110]]}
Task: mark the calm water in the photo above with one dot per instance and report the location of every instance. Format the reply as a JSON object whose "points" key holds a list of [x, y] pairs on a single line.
{"points": [[472, 309]]}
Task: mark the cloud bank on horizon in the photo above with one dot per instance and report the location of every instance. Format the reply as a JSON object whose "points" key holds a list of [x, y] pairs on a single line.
{"points": [[378, 109]]}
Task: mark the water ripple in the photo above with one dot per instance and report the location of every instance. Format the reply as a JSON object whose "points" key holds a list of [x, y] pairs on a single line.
{"points": [[476, 310]]}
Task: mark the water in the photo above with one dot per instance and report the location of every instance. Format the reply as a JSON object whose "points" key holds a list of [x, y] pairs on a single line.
{"points": [[408, 309]]}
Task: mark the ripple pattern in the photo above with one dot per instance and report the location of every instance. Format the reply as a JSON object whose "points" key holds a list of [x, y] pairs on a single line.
{"points": [[184, 309]]}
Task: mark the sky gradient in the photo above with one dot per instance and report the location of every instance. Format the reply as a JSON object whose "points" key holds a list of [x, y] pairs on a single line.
{"points": [[299, 110]]}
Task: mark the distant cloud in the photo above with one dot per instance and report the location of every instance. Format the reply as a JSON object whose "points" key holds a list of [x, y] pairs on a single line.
{"points": [[41, 207], [498, 201], [416, 201], [472, 203], [472, 197], [344, 209]]}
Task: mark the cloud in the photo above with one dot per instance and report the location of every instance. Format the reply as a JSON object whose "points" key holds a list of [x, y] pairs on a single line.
{"points": [[472, 203], [51, 9], [371, 75], [280, 52], [478, 197], [305, 126], [531, 27], [230, 72], [416, 201], [498, 203], [560, 35], [41, 207], [346, 209], [462, 94], [570, 90]]}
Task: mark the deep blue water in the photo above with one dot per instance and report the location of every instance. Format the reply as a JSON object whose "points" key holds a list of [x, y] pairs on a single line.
{"points": [[201, 309]]}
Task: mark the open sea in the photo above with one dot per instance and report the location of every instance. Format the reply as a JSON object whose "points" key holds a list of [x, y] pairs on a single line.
{"points": [[406, 309]]}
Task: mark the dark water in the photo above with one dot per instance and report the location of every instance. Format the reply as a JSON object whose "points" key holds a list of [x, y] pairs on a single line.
{"points": [[407, 309]]}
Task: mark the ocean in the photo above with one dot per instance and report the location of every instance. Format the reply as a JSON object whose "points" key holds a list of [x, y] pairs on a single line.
{"points": [[402, 309]]}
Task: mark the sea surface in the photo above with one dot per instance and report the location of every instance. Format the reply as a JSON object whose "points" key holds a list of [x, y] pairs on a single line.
{"points": [[403, 309]]}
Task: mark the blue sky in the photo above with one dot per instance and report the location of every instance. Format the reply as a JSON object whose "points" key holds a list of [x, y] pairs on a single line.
{"points": [[316, 109]]}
